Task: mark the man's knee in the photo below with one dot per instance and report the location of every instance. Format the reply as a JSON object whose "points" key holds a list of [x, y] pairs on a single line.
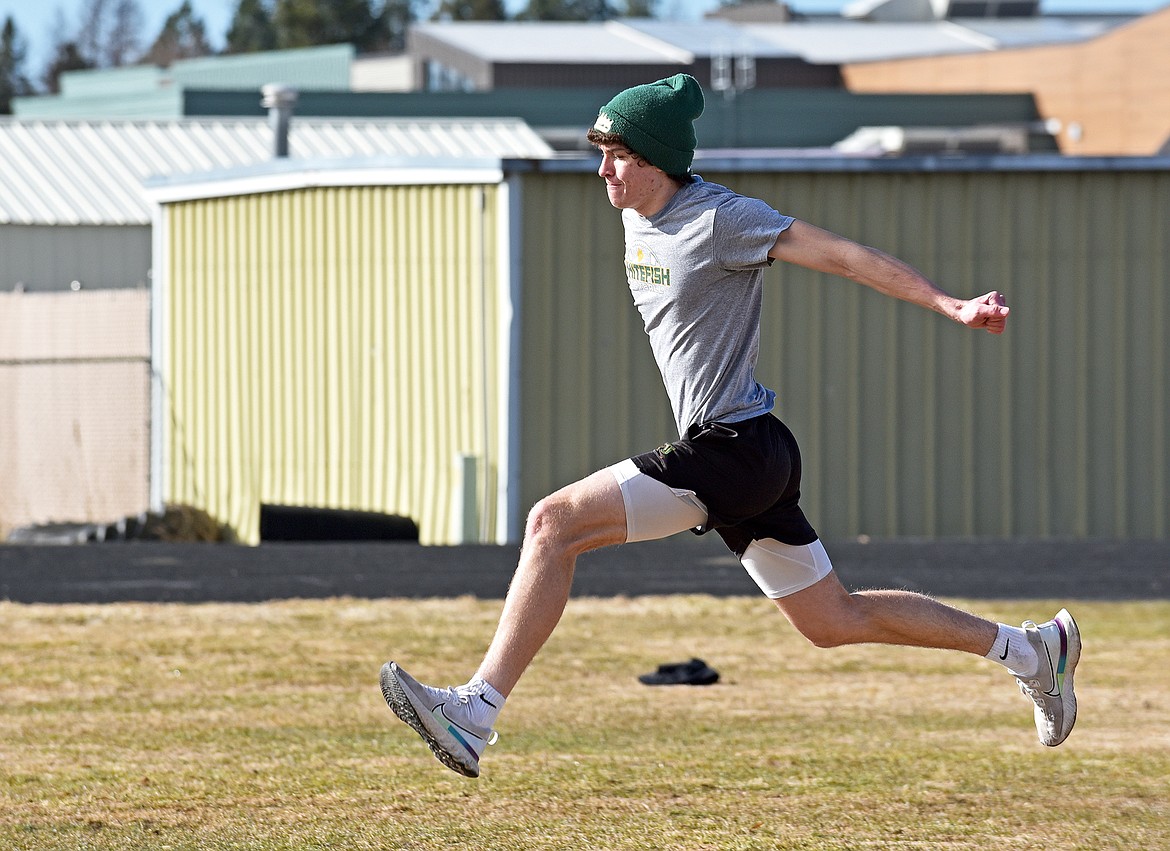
{"points": [[580, 517], [546, 521], [823, 634], [560, 522], [836, 623]]}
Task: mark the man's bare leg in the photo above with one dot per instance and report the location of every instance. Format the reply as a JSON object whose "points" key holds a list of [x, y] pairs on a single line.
{"points": [[829, 616], [456, 722], [583, 516]]}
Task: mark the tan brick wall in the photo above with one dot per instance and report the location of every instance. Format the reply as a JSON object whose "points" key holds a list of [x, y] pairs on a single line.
{"points": [[1115, 88]]}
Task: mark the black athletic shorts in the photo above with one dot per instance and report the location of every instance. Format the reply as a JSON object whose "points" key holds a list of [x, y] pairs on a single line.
{"points": [[747, 474]]}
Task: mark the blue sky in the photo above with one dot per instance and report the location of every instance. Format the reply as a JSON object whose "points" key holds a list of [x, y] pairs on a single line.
{"points": [[37, 20]]}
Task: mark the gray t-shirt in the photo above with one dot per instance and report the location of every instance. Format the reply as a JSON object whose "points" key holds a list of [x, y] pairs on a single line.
{"points": [[695, 271]]}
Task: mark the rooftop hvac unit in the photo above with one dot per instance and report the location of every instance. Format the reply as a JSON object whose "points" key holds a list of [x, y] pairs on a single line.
{"points": [[981, 139]]}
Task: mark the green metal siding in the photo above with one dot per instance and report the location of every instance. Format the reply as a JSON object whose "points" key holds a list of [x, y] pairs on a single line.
{"points": [[160, 104], [590, 390], [909, 425], [343, 347], [326, 67], [760, 117], [107, 82], [332, 347], [151, 92]]}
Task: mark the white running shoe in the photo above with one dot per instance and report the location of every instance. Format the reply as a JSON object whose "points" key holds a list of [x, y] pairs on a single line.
{"points": [[440, 716], [1058, 644]]}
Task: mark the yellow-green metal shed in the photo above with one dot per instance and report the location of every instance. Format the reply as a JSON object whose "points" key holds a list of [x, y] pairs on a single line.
{"points": [[453, 342], [334, 339]]}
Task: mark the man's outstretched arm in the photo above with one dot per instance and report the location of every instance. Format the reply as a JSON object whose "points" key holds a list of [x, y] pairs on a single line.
{"points": [[823, 251]]}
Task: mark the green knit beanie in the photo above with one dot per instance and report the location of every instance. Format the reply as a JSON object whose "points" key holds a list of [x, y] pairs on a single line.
{"points": [[656, 121]]}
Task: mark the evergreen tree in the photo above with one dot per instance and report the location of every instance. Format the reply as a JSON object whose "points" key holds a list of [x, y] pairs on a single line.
{"points": [[396, 18], [109, 32], [301, 23], [13, 52], [251, 29], [183, 36], [120, 44], [471, 10], [67, 56], [89, 35], [567, 10], [641, 8]]}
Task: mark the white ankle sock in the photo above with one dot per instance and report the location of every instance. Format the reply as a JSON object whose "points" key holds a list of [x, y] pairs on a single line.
{"points": [[484, 702], [1013, 650]]}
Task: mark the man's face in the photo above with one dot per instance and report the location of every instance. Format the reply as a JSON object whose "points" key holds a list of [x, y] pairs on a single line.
{"points": [[631, 182]]}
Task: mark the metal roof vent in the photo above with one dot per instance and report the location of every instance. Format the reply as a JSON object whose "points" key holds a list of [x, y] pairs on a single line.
{"points": [[279, 99]]}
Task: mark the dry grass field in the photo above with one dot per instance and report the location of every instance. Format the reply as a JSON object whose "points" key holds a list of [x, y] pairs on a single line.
{"points": [[232, 726]]}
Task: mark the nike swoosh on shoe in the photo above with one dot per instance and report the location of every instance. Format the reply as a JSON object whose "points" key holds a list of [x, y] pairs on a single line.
{"points": [[455, 730], [1061, 663]]}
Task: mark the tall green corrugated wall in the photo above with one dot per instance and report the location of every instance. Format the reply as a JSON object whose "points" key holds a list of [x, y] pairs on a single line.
{"points": [[341, 347], [909, 424]]}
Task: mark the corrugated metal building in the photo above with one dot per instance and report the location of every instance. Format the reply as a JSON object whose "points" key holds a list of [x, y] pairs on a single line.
{"points": [[485, 55], [348, 338], [1109, 93], [473, 55], [782, 81], [90, 172], [757, 118], [150, 92], [72, 205], [75, 266]]}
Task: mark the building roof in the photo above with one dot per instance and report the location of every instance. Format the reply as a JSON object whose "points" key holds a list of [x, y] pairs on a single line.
{"points": [[841, 42], [1030, 32], [555, 41], [148, 91], [704, 39], [324, 67], [820, 41], [92, 172]]}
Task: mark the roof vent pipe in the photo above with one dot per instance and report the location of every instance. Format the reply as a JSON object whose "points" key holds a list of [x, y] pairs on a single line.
{"points": [[279, 99]]}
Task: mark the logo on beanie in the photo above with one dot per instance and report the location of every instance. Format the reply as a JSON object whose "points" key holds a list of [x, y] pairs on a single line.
{"points": [[604, 123]]}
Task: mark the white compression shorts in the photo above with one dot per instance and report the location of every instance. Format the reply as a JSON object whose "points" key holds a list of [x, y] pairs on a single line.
{"points": [[655, 510], [782, 569]]}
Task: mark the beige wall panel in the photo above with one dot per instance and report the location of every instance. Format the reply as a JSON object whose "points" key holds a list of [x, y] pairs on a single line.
{"points": [[333, 348], [1115, 88], [73, 326], [74, 396], [910, 425]]}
